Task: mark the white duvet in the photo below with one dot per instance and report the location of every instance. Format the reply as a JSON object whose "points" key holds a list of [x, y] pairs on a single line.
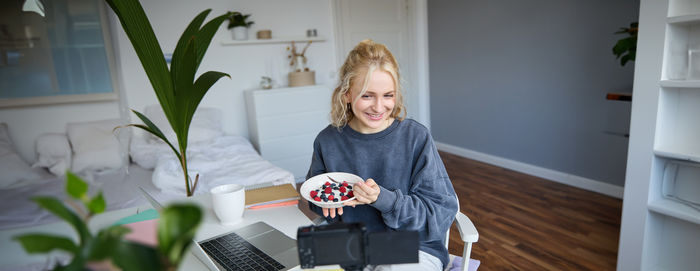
{"points": [[223, 160]]}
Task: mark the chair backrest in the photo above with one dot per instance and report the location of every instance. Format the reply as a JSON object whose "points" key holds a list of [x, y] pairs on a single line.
{"points": [[447, 234], [467, 233]]}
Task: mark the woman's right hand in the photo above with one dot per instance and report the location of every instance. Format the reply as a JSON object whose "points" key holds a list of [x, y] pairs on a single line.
{"points": [[332, 211]]}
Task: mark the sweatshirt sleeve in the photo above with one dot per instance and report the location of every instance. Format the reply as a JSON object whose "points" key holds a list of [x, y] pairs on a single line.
{"points": [[317, 167], [430, 205]]}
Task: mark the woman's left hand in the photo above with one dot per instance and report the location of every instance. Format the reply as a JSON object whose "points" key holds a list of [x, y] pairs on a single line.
{"points": [[365, 192]]}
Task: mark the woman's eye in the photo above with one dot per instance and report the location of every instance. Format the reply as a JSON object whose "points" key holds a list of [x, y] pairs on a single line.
{"points": [[389, 96], [365, 96]]}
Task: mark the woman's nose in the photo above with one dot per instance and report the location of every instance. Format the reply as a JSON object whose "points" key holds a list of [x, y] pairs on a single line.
{"points": [[377, 103]]}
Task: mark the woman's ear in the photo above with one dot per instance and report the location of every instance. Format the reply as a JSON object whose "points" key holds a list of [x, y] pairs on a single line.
{"points": [[346, 97]]}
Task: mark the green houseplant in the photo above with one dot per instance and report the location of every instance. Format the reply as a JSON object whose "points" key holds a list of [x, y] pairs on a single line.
{"points": [[626, 48], [238, 24], [176, 228], [177, 91]]}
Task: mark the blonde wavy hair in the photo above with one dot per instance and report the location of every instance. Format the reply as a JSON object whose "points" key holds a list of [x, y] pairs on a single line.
{"points": [[363, 60]]}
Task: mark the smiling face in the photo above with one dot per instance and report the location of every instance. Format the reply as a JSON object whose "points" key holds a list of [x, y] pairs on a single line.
{"points": [[372, 109]]}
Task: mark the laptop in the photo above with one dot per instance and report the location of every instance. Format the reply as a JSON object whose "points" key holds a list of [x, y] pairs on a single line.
{"points": [[257, 246]]}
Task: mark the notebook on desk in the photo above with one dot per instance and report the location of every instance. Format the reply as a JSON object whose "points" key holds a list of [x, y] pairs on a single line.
{"points": [[257, 246], [268, 195]]}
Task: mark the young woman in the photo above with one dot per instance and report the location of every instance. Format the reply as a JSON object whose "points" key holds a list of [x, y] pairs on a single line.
{"points": [[406, 187]]}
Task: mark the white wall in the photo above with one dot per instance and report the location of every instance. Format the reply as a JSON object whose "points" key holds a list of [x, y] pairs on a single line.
{"points": [[245, 63]]}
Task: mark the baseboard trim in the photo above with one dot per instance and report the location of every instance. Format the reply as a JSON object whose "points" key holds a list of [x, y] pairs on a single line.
{"points": [[545, 173]]}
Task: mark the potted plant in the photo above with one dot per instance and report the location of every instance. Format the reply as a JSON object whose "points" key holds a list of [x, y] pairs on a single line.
{"points": [[107, 249], [626, 48], [178, 93], [238, 25]]}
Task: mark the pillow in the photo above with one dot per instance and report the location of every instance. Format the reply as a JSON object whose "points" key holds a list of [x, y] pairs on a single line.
{"points": [[15, 171], [96, 147], [205, 126], [53, 152]]}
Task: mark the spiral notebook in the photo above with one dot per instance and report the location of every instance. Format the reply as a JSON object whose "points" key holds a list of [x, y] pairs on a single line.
{"points": [[268, 194]]}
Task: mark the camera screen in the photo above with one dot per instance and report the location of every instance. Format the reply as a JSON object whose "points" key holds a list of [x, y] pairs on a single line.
{"points": [[338, 247]]}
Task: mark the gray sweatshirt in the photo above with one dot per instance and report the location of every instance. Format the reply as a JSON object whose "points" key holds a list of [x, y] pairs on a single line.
{"points": [[416, 193]]}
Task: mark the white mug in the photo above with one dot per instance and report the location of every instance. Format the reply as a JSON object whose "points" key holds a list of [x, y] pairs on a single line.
{"points": [[228, 202]]}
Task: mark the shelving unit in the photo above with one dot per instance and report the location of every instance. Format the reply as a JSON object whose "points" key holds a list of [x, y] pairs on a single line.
{"points": [[273, 40], [659, 232]]}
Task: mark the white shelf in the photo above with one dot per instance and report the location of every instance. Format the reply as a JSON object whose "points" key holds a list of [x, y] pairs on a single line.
{"points": [[677, 155], [687, 19], [680, 83], [273, 40], [675, 209]]}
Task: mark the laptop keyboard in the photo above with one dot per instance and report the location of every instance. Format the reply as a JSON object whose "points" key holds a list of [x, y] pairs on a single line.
{"points": [[235, 253]]}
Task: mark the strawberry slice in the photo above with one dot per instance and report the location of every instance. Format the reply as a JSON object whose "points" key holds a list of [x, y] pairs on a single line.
{"points": [[317, 199], [328, 190], [313, 193], [342, 189], [344, 198], [330, 197], [350, 194]]}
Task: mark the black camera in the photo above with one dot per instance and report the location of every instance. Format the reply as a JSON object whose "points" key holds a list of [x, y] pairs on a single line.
{"points": [[352, 247]]}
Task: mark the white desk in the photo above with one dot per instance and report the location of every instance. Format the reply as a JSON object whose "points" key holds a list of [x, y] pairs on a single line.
{"points": [[286, 219]]}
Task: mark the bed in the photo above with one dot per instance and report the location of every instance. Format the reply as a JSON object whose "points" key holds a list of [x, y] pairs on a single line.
{"points": [[118, 163]]}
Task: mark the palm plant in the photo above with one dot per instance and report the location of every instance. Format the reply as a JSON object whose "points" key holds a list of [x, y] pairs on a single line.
{"points": [[178, 92]]}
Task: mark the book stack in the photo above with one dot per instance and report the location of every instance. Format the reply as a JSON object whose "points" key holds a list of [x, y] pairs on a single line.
{"points": [[269, 195]]}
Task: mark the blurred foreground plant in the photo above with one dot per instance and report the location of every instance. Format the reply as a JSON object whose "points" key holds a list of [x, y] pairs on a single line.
{"points": [[176, 228]]}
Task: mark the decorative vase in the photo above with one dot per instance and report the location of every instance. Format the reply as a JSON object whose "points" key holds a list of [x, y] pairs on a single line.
{"points": [[240, 33], [297, 79], [299, 65]]}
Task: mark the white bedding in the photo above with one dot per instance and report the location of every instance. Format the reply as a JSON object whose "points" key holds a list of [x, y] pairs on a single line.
{"points": [[226, 159], [117, 187], [223, 160]]}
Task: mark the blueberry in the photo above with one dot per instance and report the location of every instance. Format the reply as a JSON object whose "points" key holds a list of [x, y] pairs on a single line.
{"points": [[335, 200]]}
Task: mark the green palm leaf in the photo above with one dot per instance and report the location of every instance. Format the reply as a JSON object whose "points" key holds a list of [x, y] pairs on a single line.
{"points": [[153, 129], [189, 33], [205, 36], [138, 29]]}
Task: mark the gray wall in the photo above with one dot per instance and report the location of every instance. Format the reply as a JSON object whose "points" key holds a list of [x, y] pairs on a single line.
{"points": [[526, 81]]}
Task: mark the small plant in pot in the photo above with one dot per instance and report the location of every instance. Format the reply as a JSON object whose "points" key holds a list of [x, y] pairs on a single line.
{"points": [[238, 25], [626, 48]]}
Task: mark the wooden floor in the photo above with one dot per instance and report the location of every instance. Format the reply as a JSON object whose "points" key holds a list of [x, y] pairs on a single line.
{"points": [[528, 223]]}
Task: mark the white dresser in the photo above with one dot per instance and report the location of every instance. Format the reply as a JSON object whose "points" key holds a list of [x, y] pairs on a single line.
{"points": [[284, 122]]}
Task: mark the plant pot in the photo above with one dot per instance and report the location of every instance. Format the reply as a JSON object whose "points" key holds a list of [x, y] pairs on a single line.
{"points": [[240, 33], [297, 79]]}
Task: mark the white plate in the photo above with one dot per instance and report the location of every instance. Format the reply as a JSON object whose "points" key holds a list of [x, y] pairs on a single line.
{"points": [[316, 181]]}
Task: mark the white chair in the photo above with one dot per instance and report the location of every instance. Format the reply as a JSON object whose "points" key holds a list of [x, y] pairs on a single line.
{"points": [[469, 235]]}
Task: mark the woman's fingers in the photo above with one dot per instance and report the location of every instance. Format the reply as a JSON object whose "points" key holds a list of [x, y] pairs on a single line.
{"points": [[352, 203], [332, 212], [366, 192]]}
